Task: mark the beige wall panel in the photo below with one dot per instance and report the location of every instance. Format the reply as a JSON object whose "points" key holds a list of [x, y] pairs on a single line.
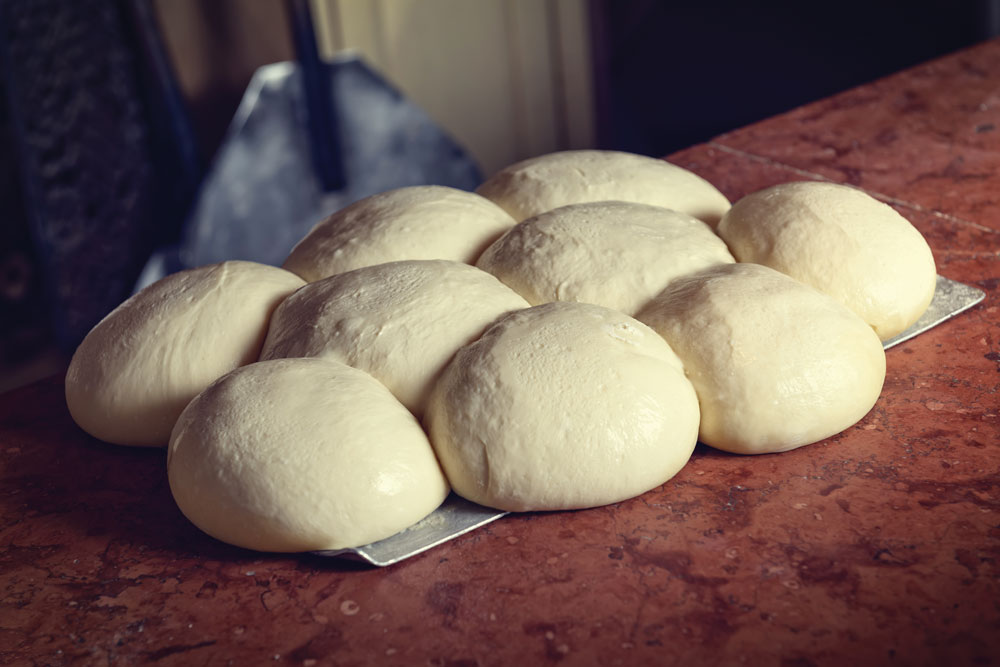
{"points": [[327, 21], [576, 72], [532, 78], [452, 58], [507, 78], [360, 27]]}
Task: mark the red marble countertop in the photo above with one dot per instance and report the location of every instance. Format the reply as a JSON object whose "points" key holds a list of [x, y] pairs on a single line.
{"points": [[879, 545]]}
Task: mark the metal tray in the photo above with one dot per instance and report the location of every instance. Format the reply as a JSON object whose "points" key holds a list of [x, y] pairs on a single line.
{"points": [[457, 516]]}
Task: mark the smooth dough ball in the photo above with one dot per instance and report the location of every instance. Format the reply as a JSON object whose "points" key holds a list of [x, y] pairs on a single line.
{"points": [[301, 455], [543, 183], [136, 370], [400, 321], [561, 406], [776, 364], [841, 241], [418, 222], [612, 253]]}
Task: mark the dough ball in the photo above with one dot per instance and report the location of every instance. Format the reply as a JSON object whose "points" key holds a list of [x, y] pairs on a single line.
{"points": [[561, 406], [419, 222], [776, 364], [541, 184], [301, 455], [842, 242], [611, 253], [137, 369], [400, 321]]}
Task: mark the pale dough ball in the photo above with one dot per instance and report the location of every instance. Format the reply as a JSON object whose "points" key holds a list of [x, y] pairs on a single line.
{"points": [[543, 183], [611, 253], [776, 364], [301, 455], [400, 321], [561, 406], [137, 369], [841, 241], [418, 222]]}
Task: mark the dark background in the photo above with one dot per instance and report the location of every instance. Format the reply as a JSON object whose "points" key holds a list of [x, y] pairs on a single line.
{"points": [[670, 74], [83, 201]]}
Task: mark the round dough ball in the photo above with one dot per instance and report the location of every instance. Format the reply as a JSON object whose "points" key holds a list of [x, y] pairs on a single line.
{"points": [[400, 321], [418, 222], [301, 455], [611, 253], [562, 406], [136, 370], [543, 183], [841, 241], [776, 364]]}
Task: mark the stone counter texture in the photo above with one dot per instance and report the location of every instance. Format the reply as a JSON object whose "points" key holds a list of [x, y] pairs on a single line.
{"points": [[878, 546]]}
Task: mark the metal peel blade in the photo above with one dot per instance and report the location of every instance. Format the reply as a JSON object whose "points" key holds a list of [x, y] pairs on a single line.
{"points": [[457, 516], [950, 299]]}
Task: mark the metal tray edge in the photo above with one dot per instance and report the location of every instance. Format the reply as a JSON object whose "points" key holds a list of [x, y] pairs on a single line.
{"points": [[951, 298]]}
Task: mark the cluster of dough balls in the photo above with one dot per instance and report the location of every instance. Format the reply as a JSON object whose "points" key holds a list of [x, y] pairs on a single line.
{"points": [[559, 339]]}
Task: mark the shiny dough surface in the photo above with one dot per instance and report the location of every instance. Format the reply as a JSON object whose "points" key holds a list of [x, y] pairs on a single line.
{"points": [[776, 364], [299, 455], [564, 405], [614, 254], [841, 241], [400, 321], [136, 370], [542, 183], [417, 222]]}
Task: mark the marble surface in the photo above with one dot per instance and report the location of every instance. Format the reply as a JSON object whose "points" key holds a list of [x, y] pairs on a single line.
{"points": [[880, 545]]}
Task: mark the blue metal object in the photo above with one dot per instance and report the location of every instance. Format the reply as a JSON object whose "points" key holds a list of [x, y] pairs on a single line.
{"points": [[263, 194], [322, 117]]}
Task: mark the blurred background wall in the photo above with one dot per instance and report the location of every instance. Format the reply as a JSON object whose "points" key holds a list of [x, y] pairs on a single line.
{"points": [[507, 78], [515, 78], [674, 73]]}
